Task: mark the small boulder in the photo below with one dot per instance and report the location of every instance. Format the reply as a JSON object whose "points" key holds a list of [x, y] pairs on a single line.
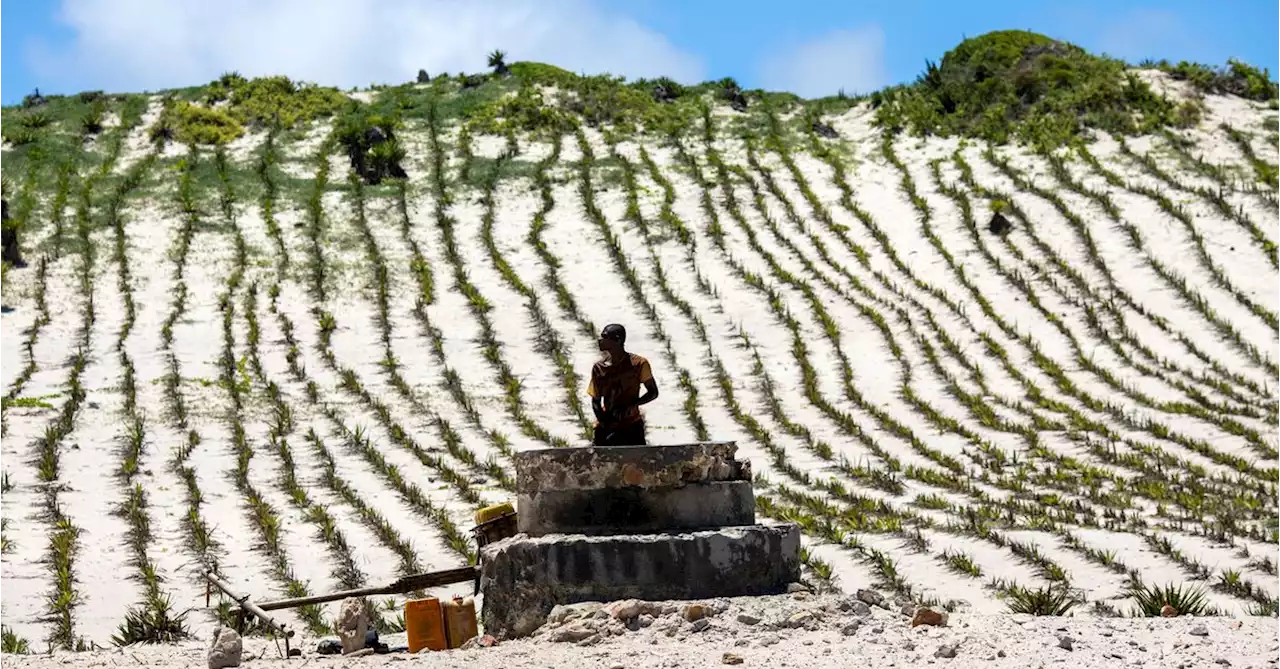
{"points": [[794, 587], [423, 77], [1066, 643], [748, 619], [575, 632], [731, 658], [226, 649], [1199, 630], [563, 613], [927, 616], [860, 609], [626, 609], [999, 225], [694, 611], [851, 628], [824, 130], [871, 597], [353, 624], [946, 651], [700, 624], [1168, 611]]}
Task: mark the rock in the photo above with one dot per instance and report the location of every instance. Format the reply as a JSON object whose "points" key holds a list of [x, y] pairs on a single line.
{"points": [[1168, 611], [564, 613], [731, 658], [927, 616], [226, 649], [851, 628], [801, 619], [769, 640], [945, 650], [793, 588], [999, 225], [575, 631], [1066, 643], [1199, 630], [824, 130], [360, 653], [1001, 653], [907, 609], [352, 624], [694, 611], [423, 78], [644, 620], [860, 609], [748, 619], [909, 645], [701, 624], [871, 597], [626, 609]]}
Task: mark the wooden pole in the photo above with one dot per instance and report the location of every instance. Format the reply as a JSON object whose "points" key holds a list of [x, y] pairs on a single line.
{"points": [[250, 607], [406, 584]]}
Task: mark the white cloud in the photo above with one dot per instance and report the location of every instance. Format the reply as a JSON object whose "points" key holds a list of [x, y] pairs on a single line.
{"points": [[133, 45], [852, 60]]}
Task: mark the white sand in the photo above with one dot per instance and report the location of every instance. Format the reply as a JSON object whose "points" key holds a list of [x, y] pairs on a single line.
{"points": [[707, 278]]}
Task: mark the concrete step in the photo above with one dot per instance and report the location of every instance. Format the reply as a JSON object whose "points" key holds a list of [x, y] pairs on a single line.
{"points": [[596, 467], [524, 577], [628, 510]]}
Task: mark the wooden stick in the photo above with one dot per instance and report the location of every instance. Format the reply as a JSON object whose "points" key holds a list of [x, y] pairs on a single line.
{"points": [[250, 607], [406, 584]]}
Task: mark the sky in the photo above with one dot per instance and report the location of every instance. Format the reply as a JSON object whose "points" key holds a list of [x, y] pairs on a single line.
{"points": [[810, 47]]}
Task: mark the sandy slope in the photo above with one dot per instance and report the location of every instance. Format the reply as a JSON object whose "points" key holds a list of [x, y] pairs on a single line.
{"points": [[898, 312]]}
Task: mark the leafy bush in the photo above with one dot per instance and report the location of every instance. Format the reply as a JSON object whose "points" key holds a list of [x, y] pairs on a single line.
{"points": [[189, 123], [278, 99], [1237, 78], [1017, 84], [1047, 601], [91, 122], [1152, 599], [154, 623], [11, 643], [371, 145]]}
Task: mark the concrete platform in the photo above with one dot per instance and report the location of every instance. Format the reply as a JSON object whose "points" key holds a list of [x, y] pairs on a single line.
{"points": [[524, 577], [628, 510], [597, 467]]}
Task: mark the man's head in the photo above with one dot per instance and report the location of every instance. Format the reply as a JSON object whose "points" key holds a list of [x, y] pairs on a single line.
{"points": [[613, 338]]}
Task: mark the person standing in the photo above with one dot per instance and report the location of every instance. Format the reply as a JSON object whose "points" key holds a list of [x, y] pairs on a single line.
{"points": [[615, 391]]}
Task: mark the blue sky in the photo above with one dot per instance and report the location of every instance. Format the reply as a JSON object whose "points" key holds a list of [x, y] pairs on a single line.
{"points": [[813, 47]]}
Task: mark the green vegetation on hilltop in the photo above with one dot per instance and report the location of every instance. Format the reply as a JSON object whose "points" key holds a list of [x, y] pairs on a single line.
{"points": [[1236, 78], [1014, 84], [223, 108]]}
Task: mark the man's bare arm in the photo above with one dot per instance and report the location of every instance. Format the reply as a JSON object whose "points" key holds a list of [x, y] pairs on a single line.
{"points": [[650, 392]]}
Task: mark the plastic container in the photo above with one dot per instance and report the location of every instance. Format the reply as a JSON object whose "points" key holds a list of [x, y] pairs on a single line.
{"points": [[424, 624], [459, 620], [494, 523]]}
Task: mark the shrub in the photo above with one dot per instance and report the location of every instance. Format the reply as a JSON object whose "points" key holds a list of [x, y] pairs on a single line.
{"points": [[280, 100], [1017, 84], [11, 643], [371, 145], [153, 624], [1152, 599], [1237, 78], [189, 123], [1047, 601]]}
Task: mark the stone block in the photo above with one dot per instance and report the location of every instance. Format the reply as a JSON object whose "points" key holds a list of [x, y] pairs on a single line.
{"points": [[635, 510], [523, 578], [596, 467]]}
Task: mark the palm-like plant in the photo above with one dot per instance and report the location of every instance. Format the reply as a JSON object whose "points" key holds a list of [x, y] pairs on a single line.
{"points": [[1152, 599], [498, 61]]}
